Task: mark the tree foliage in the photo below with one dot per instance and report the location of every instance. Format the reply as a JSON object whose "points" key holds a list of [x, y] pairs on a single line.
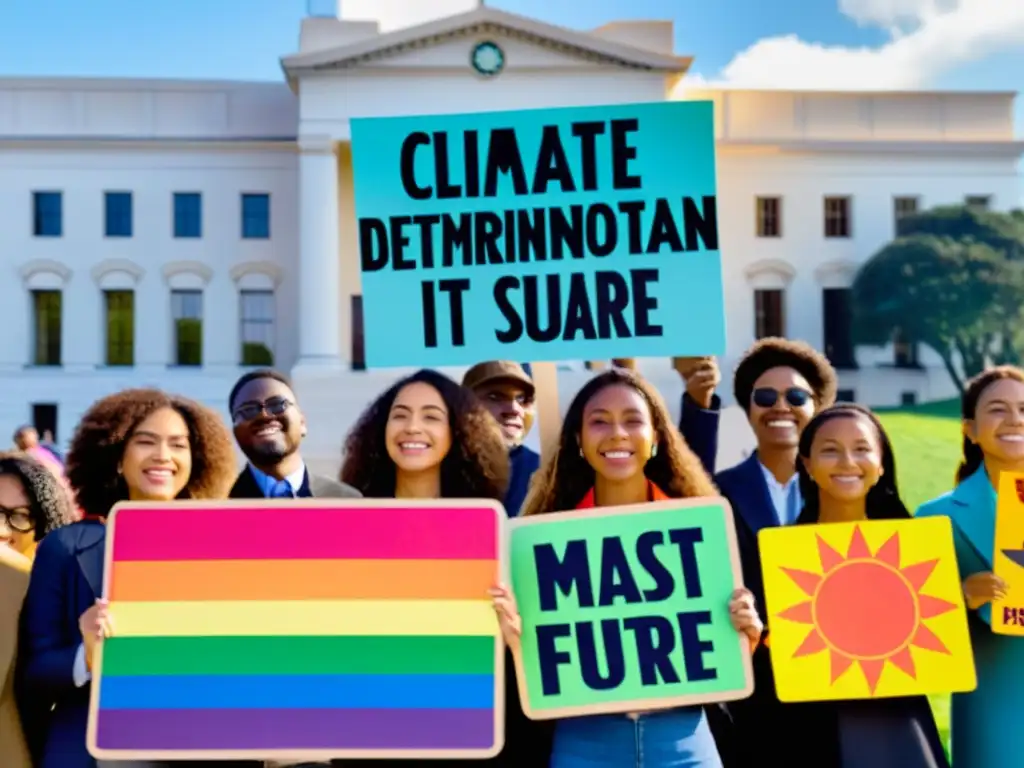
{"points": [[954, 281]]}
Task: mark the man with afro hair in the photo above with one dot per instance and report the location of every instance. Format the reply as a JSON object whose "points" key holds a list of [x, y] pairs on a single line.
{"points": [[780, 384]]}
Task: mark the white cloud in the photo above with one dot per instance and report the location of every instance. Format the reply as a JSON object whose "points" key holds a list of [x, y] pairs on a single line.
{"points": [[927, 38], [398, 14]]}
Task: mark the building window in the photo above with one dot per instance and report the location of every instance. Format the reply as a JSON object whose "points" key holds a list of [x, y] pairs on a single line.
{"points": [[908, 399], [187, 314], [769, 313], [118, 214], [902, 207], [44, 419], [47, 214], [255, 216], [904, 351], [837, 217], [980, 202], [257, 311], [846, 396], [769, 217], [837, 313], [188, 214], [46, 311], [120, 327]]}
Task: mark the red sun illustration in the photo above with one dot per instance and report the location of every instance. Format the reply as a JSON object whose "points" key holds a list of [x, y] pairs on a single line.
{"points": [[866, 609]]}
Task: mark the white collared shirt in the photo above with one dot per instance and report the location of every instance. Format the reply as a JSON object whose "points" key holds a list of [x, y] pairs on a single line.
{"points": [[780, 495]]}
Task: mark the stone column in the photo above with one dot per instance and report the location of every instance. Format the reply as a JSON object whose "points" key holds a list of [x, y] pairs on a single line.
{"points": [[319, 269]]}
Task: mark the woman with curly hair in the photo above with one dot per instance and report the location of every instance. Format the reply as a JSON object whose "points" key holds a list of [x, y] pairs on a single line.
{"points": [[32, 503], [617, 447], [426, 437], [139, 445]]}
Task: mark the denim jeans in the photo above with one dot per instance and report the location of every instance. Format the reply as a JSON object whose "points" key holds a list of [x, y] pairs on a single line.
{"points": [[676, 738]]}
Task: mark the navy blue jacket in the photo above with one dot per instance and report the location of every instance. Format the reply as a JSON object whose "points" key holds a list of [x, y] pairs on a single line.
{"points": [[524, 462]]}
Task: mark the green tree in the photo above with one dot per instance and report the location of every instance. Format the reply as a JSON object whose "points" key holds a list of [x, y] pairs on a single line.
{"points": [[1004, 232], [962, 298]]}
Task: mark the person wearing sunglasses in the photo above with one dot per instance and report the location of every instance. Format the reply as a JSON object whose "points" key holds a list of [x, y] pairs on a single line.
{"points": [[269, 428], [780, 384]]}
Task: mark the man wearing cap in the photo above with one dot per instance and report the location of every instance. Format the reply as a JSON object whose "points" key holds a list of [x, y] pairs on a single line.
{"points": [[507, 391]]}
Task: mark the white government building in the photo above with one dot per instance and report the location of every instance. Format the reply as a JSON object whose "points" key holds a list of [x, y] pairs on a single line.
{"points": [[172, 233]]}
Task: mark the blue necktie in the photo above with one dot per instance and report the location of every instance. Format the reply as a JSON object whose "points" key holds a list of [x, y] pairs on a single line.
{"points": [[281, 490]]}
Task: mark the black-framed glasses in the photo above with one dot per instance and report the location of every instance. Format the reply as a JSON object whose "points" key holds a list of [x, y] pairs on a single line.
{"points": [[18, 519], [275, 406], [765, 397]]}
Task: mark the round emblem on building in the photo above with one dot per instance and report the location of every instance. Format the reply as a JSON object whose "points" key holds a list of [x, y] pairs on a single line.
{"points": [[487, 58]]}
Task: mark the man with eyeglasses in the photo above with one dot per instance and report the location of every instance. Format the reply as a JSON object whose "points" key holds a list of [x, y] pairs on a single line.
{"points": [[507, 391], [269, 428], [780, 384]]}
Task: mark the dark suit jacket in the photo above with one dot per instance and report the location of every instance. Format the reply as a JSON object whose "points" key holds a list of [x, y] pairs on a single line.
{"points": [[67, 577], [313, 486]]}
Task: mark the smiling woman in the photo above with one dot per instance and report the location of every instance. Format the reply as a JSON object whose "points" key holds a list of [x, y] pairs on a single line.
{"points": [[616, 438], [138, 444], [426, 437]]}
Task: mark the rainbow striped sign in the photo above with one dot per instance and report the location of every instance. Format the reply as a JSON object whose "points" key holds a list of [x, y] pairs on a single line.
{"points": [[306, 629]]}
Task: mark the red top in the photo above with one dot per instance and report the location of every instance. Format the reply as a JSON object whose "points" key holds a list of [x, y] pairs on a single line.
{"points": [[654, 493]]}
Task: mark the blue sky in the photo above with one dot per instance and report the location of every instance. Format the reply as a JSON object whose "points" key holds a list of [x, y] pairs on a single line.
{"points": [[960, 44]]}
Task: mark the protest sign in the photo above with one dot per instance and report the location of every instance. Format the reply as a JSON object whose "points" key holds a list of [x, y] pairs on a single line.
{"points": [[1008, 559], [365, 631], [865, 610], [541, 235], [626, 608]]}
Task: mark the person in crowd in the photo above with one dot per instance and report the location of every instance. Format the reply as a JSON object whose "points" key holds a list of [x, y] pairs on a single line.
{"points": [[847, 473], [269, 428], [780, 384], [139, 445], [426, 437], [32, 503], [26, 439], [992, 410], [14, 575], [507, 391], [618, 446]]}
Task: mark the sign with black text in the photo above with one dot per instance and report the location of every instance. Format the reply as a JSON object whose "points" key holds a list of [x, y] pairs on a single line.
{"points": [[573, 233]]}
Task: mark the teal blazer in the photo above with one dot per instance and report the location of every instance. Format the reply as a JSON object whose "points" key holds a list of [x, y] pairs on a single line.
{"points": [[985, 720]]}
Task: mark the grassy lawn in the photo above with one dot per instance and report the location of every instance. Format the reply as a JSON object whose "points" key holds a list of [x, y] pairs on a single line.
{"points": [[926, 440]]}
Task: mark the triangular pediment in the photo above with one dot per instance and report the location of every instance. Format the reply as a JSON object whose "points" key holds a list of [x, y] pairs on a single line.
{"points": [[482, 22]]}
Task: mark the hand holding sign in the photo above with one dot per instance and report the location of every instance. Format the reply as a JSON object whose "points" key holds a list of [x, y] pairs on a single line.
{"points": [[981, 588], [702, 377], [509, 620], [744, 616]]}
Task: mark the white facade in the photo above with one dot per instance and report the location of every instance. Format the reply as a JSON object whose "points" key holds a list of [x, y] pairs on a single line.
{"points": [[84, 138]]}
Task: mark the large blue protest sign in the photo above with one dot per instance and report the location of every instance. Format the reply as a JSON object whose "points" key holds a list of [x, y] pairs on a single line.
{"points": [[576, 233]]}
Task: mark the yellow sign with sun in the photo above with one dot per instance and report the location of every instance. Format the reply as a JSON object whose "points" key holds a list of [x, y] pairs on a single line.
{"points": [[1008, 561], [865, 610]]}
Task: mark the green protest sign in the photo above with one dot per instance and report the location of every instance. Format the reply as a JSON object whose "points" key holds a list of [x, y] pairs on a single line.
{"points": [[626, 609]]}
